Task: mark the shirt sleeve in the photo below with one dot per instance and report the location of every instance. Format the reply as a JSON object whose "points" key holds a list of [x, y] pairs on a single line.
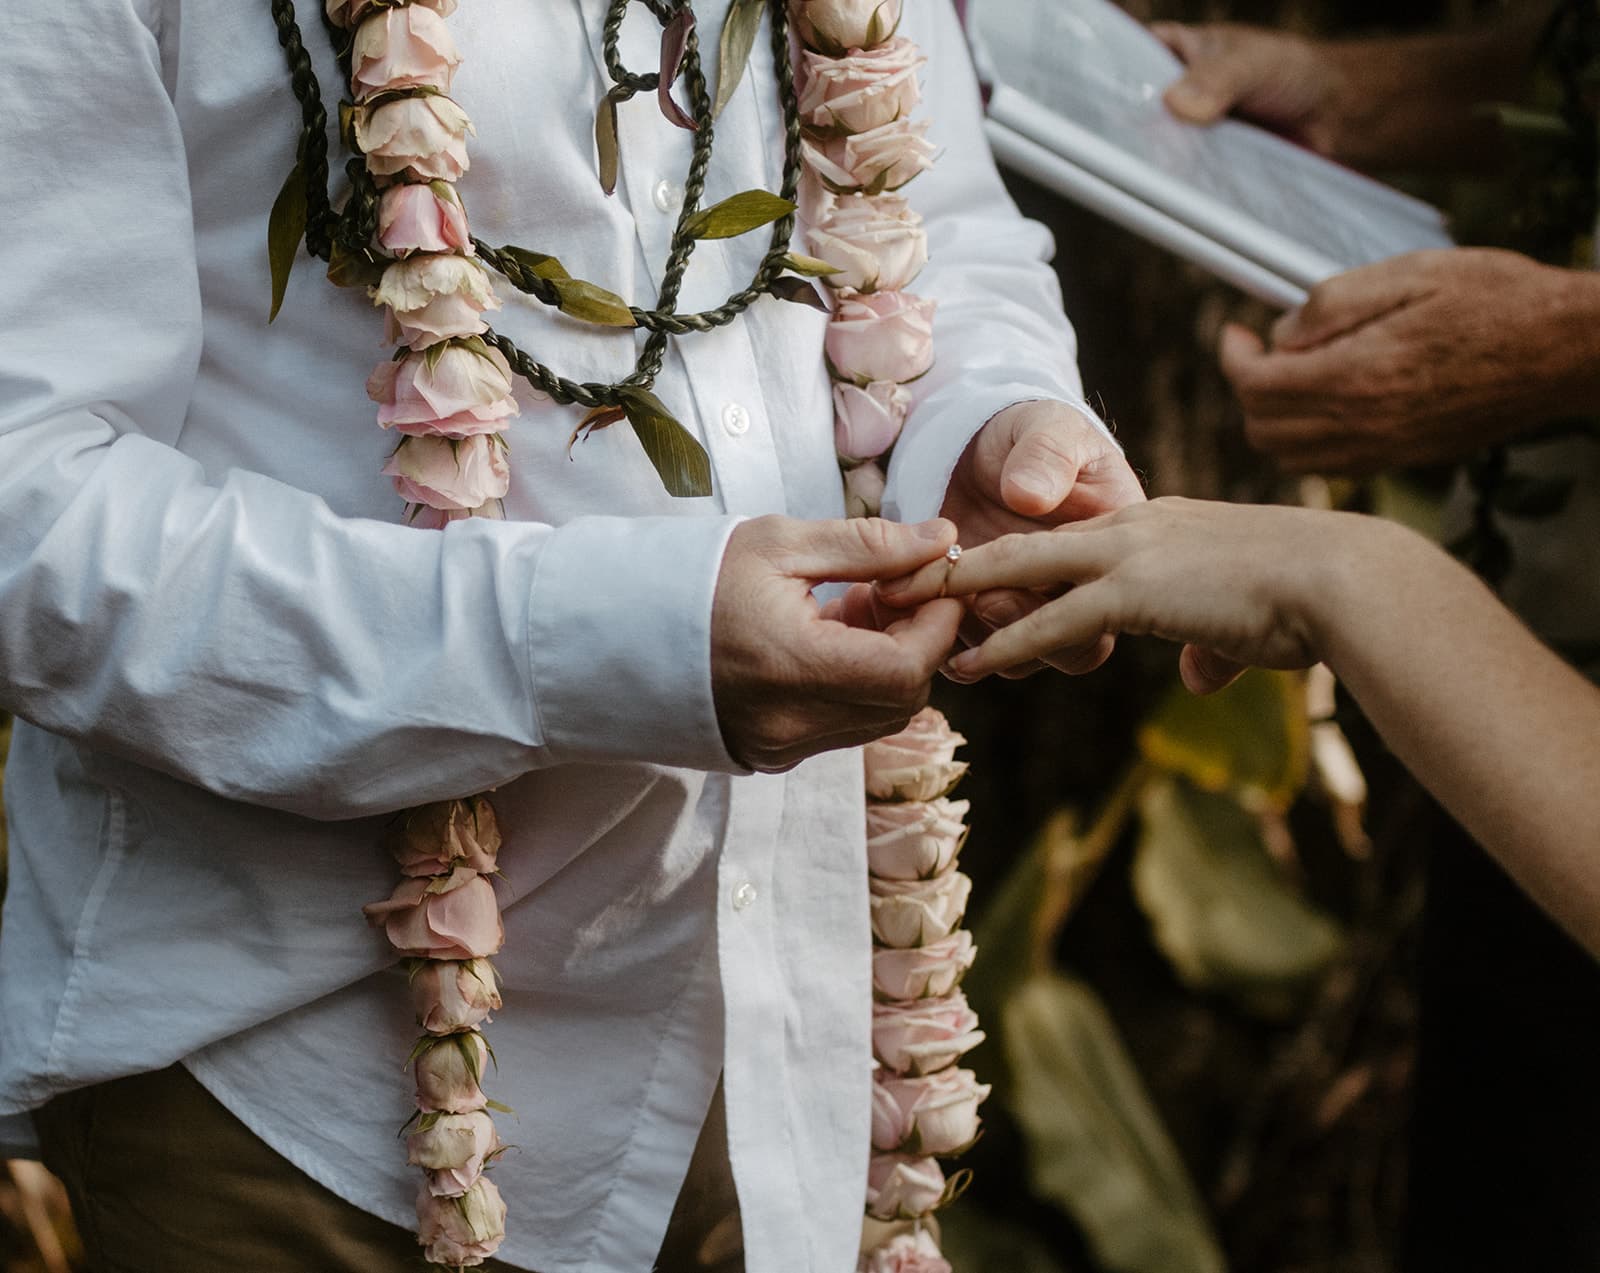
{"points": [[1000, 334], [239, 634]]}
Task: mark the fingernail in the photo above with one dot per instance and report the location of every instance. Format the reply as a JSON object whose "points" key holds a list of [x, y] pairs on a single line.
{"points": [[963, 666], [1001, 613], [931, 531]]}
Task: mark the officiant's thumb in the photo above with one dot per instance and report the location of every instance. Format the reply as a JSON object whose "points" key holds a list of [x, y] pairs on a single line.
{"points": [[862, 549], [1211, 84]]}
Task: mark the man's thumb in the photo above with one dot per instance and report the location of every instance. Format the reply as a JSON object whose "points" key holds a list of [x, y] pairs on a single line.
{"points": [[863, 549]]}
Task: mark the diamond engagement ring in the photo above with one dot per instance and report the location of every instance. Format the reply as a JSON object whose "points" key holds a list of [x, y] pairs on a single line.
{"points": [[952, 554]]}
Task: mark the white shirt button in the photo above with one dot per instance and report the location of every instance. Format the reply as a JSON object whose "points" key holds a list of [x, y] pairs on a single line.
{"points": [[667, 196], [744, 896], [736, 419]]}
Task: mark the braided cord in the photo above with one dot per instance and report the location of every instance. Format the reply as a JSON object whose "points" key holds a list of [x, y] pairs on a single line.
{"points": [[355, 227]]}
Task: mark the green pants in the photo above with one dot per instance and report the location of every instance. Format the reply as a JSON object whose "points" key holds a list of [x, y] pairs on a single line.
{"points": [[163, 1179]]}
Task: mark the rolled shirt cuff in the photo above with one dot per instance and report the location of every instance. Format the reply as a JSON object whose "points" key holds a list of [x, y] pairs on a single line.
{"points": [[619, 641]]}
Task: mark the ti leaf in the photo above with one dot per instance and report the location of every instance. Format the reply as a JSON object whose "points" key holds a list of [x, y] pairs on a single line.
{"points": [[605, 143], [1221, 910], [285, 229], [592, 304], [682, 462], [737, 214], [1252, 738], [801, 292], [674, 43], [810, 266], [539, 264], [1096, 1145], [738, 37], [361, 268]]}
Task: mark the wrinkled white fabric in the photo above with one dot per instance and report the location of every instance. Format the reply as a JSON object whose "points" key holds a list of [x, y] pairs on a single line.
{"points": [[232, 663]]}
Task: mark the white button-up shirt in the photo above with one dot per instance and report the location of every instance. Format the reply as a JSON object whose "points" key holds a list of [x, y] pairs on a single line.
{"points": [[234, 664]]}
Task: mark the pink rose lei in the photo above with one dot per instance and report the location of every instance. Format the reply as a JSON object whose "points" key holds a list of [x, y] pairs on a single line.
{"points": [[858, 86], [447, 395]]}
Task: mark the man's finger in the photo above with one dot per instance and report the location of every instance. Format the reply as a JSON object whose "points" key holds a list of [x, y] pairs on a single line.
{"points": [[1042, 464], [1282, 383], [889, 668], [1344, 303], [1205, 671], [861, 549], [1213, 82]]}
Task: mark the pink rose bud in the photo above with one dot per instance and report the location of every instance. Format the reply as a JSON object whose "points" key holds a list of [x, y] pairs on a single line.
{"points": [[433, 838], [924, 1035], [915, 840], [911, 913], [449, 1074], [876, 242], [837, 26], [423, 138], [863, 91], [424, 518], [461, 1232], [433, 297], [936, 1114], [453, 1149], [454, 392], [880, 336], [917, 763], [867, 419], [454, 994], [863, 490], [926, 972], [880, 159], [403, 48], [423, 217], [346, 13], [900, 1187], [451, 916], [449, 473], [906, 1253]]}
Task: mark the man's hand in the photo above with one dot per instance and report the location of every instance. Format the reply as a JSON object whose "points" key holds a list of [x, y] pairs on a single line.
{"points": [[790, 683], [1034, 466], [1283, 82], [1417, 360]]}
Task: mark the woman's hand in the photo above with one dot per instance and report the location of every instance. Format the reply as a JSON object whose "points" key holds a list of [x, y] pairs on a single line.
{"points": [[1239, 584]]}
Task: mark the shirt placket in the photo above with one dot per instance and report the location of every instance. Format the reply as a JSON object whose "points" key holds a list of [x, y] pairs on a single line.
{"points": [[710, 379]]}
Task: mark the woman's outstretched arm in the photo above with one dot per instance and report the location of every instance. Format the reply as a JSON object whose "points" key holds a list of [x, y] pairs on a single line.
{"points": [[1504, 733]]}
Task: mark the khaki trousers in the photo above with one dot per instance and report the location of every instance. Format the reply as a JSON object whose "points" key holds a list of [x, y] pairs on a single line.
{"points": [[163, 1179]]}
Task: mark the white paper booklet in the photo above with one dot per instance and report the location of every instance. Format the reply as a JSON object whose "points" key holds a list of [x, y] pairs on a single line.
{"points": [[1076, 106]]}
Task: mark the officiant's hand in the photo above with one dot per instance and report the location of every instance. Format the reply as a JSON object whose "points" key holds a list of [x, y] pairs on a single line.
{"points": [[1287, 83], [1034, 466], [1420, 359], [790, 681]]}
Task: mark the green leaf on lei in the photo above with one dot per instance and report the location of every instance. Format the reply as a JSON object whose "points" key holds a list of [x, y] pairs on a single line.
{"points": [[737, 214], [738, 37], [605, 141], [285, 229], [677, 455], [581, 299]]}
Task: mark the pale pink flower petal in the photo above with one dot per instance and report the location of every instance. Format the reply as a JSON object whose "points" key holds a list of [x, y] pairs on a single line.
{"points": [[451, 995], [403, 48], [448, 473], [862, 91], [461, 1231], [423, 217]]}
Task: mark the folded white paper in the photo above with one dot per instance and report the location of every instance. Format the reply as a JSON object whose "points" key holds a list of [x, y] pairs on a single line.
{"points": [[1076, 105]]}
